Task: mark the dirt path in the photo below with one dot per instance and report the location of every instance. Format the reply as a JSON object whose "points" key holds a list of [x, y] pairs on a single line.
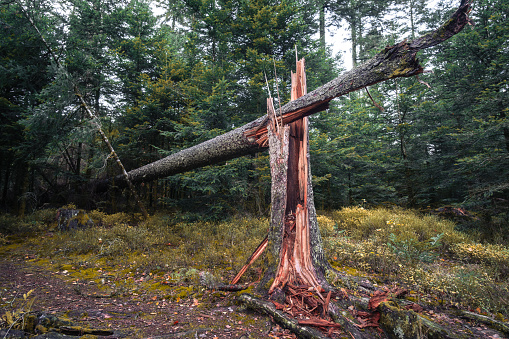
{"points": [[148, 315]]}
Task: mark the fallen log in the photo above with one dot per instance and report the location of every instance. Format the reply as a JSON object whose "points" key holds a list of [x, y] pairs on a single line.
{"points": [[392, 62], [279, 316]]}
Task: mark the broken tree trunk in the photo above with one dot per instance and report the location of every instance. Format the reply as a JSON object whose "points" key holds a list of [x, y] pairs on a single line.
{"points": [[392, 62], [295, 278], [294, 238]]}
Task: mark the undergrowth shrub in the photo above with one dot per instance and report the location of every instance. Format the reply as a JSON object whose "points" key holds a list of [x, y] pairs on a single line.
{"points": [[378, 224], [8, 223], [413, 251], [423, 252], [362, 255], [35, 222], [494, 256], [469, 285], [3, 239]]}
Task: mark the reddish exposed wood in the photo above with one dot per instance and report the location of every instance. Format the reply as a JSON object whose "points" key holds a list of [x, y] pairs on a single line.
{"points": [[258, 251], [318, 323], [295, 265], [326, 304], [378, 298], [368, 319], [259, 133]]}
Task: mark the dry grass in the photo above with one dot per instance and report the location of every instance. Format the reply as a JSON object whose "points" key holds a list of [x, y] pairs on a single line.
{"points": [[422, 252]]}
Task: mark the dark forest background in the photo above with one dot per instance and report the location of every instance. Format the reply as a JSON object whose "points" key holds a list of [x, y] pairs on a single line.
{"points": [[162, 83]]}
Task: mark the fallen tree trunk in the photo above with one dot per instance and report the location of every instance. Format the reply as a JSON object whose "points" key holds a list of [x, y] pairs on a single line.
{"points": [[392, 62]]}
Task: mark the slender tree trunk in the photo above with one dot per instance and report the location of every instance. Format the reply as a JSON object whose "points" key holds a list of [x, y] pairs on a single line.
{"points": [[6, 181], [322, 24], [353, 36], [24, 191], [412, 24], [506, 136]]}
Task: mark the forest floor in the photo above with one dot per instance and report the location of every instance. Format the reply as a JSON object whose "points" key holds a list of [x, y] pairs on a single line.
{"points": [[128, 279], [147, 314]]}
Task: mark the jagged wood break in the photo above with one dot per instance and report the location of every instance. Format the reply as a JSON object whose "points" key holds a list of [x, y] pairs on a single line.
{"points": [[293, 212]]}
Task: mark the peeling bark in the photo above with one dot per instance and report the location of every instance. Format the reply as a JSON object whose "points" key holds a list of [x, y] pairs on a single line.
{"points": [[392, 62], [293, 212]]}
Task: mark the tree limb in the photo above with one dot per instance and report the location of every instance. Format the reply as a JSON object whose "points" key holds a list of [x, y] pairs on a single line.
{"points": [[392, 62]]}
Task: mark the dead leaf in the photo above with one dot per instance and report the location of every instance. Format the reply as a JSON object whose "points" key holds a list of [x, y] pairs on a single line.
{"points": [[378, 298]]}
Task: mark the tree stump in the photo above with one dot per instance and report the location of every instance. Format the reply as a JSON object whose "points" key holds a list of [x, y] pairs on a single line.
{"points": [[72, 219]]}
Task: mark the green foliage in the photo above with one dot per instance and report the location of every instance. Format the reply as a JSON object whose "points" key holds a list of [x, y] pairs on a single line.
{"points": [[412, 250], [380, 223], [17, 313], [37, 221]]}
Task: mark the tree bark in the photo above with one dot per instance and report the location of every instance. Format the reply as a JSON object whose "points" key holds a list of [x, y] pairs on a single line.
{"points": [[392, 62], [294, 237]]}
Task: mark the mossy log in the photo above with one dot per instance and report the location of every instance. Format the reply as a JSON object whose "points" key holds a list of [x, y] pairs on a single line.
{"points": [[268, 308], [495, 324], [401, 323], [392, 62]]}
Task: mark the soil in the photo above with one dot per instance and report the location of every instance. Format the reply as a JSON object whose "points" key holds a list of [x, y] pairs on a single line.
{"points": [[147, 315]]}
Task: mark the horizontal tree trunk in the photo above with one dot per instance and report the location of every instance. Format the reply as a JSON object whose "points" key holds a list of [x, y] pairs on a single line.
{"points": [[392, 62]]}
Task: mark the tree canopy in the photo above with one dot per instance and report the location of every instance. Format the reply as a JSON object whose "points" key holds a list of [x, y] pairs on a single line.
{"points": [[166, 75]]}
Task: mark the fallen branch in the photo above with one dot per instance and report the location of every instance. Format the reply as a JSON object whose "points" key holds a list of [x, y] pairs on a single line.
{"points": [[497, 325], [392, 62], [258, 251]]}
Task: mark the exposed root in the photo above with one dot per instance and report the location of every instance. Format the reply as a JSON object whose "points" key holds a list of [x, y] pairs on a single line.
{"points": [[270, 309]]}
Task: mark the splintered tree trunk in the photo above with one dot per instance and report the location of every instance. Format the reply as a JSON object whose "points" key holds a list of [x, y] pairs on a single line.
{"points": [[294, 238]]}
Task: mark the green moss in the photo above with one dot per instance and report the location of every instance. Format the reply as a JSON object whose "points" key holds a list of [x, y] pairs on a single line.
{"points": [[183, 292], [248, 290], [399, 324], [40, 329], [440, 33], [268, 284], [9, 248]]}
